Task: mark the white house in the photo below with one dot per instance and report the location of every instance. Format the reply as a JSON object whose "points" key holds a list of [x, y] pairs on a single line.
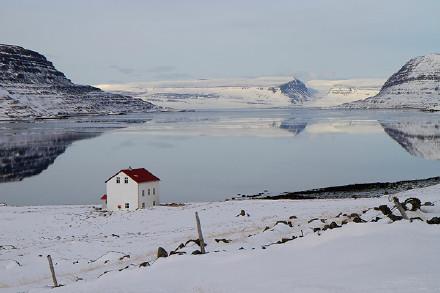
{"points": [[131, 189]]}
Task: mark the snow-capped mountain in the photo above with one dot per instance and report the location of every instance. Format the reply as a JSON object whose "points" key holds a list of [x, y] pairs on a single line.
{"points": [[218, 93], [330, 93], [420, 139], [31, 87], [416, 85]]}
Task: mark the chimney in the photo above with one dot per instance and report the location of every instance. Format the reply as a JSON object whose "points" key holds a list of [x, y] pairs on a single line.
{"points": [[129, 168]]}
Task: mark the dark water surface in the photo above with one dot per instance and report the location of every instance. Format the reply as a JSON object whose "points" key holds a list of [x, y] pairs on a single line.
{"points": [[213, 155]]}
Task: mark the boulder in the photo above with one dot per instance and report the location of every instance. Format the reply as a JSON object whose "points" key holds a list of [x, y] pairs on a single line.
{"points": [[435, 220], [161, 252]]}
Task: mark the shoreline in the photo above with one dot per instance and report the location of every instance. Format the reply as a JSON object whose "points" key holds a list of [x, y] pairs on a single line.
{"points": [[357, 190]]}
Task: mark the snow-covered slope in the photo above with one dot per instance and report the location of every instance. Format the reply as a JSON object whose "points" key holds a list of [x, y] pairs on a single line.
{"points": [[416, 85], [263, 92], [322, 245], [31, 87], [330, 93]]}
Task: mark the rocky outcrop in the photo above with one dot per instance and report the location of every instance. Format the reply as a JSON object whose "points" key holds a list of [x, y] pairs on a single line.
{"points": [[416, 85], [31, 87], [296, 91]]}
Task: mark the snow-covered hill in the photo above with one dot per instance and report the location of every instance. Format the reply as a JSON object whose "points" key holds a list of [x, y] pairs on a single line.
{"points": [[31, 87], [416, 85], [330, 93], [265, 92]]}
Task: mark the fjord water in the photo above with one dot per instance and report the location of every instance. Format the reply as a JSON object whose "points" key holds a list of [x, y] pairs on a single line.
{"points": [[214, 155]]}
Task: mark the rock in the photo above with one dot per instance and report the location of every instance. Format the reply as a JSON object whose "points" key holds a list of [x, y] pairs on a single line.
{"points": [[125, 256], [394, 217], [384, 209], [196, 252], [428, 203], [161, 252], [434, 220], [316, 229], [242, 213], [266, 228], [415, 218], [414, 202], [222, 240], [292, 217], [358, 220], [144, 264], [376, 219], [333, 225], [196, 241], [288, 223]]}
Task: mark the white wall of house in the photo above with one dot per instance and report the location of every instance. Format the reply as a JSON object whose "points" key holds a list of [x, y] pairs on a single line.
{"points": [[104, 204], [120, 194], [149, 194]]}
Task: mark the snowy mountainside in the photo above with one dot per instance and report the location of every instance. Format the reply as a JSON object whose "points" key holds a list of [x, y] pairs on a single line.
{"points": [[416, 85], [218, 93], [336, 92], [31, 87]]}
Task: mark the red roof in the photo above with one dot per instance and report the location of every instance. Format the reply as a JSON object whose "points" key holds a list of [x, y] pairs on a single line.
{"points": [[138, 175], [104, 196]]}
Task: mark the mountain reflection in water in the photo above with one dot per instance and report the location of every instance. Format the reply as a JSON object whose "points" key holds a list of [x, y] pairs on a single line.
{"points": [[418, 138], [28, 148], [294, 126], [25, 155]]}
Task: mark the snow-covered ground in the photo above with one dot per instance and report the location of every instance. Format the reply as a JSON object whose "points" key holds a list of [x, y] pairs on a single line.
{"points": [[336, 92], [232, 93], [101, 252], [236, 93]]}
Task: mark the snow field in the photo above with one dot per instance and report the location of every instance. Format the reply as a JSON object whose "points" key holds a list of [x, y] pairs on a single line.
{"points": [[359, 257]]}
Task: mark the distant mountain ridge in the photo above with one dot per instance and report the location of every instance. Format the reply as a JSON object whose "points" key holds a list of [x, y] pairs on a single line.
{"points": [[31, 87], [416, 85], [263, 92]]}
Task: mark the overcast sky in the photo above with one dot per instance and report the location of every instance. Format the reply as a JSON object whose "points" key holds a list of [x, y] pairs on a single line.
{"points": [[109, 41]]}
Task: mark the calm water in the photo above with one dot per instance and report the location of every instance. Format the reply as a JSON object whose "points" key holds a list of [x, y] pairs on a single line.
{"points": [[213, 155]]}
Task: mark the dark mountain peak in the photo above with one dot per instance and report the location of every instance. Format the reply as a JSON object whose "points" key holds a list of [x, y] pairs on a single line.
{"points": [[31, 87], [296, 91]]}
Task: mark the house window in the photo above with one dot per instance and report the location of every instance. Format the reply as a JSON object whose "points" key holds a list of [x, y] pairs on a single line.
{"points": [[119, 206], [118, 179], [154, 191], [126, 180], [148, 191], [143, 192], [127, 205], [143, 205], [154, 202]]}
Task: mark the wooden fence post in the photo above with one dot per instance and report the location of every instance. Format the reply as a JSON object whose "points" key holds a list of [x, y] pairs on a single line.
{"points": [[399, 207], [54, 279], [199, 230]]}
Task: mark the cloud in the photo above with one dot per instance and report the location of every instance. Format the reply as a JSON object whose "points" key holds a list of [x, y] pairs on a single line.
{"points": [[161, 69]]}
